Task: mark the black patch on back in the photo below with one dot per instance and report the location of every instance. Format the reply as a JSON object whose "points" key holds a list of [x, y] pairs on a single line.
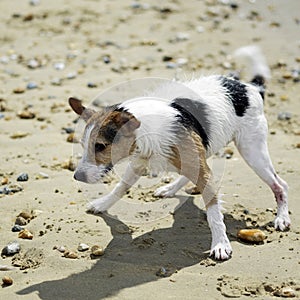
{"points": [[237, 93], [192, 115], [259, 81]]}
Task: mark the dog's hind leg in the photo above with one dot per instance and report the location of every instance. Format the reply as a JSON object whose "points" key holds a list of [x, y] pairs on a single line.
{"points": [[252, 145]]}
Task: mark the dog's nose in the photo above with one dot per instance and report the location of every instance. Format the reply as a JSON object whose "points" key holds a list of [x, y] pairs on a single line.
{"points": [[80, 176]]}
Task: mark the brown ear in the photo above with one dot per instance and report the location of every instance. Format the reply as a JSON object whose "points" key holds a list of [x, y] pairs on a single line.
{"points": [[126, 122], [82, 111]]}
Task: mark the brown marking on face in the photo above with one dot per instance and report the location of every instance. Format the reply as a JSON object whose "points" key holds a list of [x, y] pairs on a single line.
{"points": [[112, 137], [189, 158]]}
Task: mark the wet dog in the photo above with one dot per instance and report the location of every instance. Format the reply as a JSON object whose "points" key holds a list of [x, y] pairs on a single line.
{"points": [[179, 133]]}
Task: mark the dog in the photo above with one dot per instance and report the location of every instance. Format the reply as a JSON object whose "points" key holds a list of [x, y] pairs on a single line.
{"points": [[179, 134]]}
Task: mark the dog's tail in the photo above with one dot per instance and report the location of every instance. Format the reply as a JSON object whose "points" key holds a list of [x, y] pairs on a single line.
{"points": [[259, 69]]}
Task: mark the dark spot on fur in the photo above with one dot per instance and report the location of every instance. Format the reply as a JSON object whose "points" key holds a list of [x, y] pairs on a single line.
{"points": [[192, 115], [259, 81], [237, 94]]}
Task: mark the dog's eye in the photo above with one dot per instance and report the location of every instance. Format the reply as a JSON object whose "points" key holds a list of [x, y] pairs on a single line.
{"points": [[99, 147]]}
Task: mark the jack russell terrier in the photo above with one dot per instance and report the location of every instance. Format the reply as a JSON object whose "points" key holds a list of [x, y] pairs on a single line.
{"points": [[180, 134]]}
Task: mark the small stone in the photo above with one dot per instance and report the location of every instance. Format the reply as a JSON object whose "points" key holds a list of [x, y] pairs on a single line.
{"points": [[251, 235], [11, 189], [91, 85], [181, 61], [19, 90], [4, 181], [106, 59], [70, 254], [83, 247], [42, 175], [34, 2], [72, 138], [20, 221], [26, 114], [59, 66], [17, 228], [19, 135], [284, 97], [68, 129], [284, 116], [97, 250], [287, 75], [72, 75], [23, 177], [69, 164], [31, 85], [162, 272], [285, 292], [182, 36], [56, 81], [33, 64], [171, 65], [61, 249], [25, 234], [26, 215], [7, 281], [11, 249]]}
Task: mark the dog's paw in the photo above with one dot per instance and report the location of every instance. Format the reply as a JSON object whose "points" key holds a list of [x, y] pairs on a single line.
{"points": [[282, 223], [100, 205], [166, 191], [221, 251]]}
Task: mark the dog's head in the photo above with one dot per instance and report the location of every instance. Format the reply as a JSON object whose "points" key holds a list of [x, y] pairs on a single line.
{"points": [[108, 137]]}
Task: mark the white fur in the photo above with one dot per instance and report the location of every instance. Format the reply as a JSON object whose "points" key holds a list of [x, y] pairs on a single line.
{"points": [[156, 134]]}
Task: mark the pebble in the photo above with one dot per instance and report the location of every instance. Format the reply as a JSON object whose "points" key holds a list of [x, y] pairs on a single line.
{"points": [[5, 268], [106, 59], [20, 221], [56, 81], [91, 85], [97, 250], [19, 90], [69, 165], [33, 64], [59, 66], [72, 138], [11, 189], [284, 116], [11, 249], [162, 272], [61, 249], [285, 292], [71, 75], [7, 281], [26, 114], [25, 234], [83, 247], [34, 2], [68, 129], [42, 175], [23, 177], [25, 214], [17, 228], [19, 135], [4, 180], [70, 254], [31, 85], [182, 36], [251, 235]]}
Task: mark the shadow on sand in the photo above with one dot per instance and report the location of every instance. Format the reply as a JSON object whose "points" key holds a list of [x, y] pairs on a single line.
{"points": [[130, 262]]}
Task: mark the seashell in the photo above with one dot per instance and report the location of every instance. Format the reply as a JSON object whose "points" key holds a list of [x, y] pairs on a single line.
{"points": [[6, 281], [20, 221], [83, 247], [70, 254], [23, 177], [11, 248], [97, 250], [25, 234], [251, 235]]}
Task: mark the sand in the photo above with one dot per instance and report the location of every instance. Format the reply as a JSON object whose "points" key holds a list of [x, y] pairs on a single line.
{"points": [[84, 48]]}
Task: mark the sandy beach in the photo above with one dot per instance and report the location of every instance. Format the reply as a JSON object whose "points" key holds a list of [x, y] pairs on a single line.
{"points": [[150, 248]]}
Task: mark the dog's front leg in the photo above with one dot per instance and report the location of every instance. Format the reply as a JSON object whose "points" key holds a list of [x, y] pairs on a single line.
{"points": [[132, 174]]}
